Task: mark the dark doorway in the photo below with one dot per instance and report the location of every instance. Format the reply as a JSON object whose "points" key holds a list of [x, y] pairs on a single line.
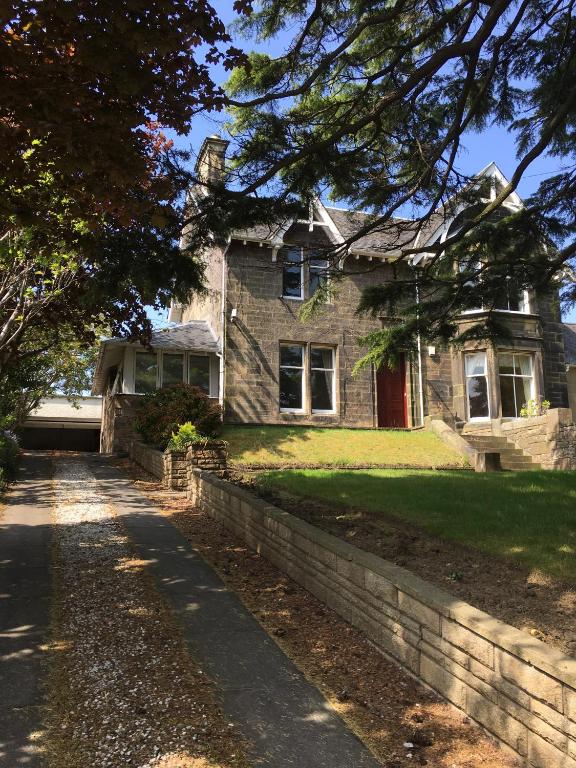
{"points": [[60, 439], [391, 396]]}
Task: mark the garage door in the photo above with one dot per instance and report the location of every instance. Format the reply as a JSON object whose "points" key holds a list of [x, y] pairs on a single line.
{"points": [[60, 439]]}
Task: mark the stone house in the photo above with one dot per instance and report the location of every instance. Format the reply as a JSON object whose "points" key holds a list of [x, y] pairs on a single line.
{"points": [[245, 343]]}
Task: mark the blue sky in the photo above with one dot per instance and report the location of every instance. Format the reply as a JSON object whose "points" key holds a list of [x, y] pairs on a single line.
{"points": [[494, 144]]}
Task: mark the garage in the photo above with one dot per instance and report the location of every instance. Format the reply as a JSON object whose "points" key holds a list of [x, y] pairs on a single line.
{"points": [[60, 425]]}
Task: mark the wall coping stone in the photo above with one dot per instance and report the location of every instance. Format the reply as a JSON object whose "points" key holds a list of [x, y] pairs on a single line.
{"points": [[530, 649]]}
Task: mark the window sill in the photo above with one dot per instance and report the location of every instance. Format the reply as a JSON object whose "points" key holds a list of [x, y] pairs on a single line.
{"points": [[292, 298]]}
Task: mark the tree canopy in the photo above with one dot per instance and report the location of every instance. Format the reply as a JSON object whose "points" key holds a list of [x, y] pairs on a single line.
{"points": [[370, 103], [91, 211]]}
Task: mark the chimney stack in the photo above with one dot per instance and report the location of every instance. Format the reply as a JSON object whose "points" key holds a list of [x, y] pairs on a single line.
{"points": [[210, 165]]}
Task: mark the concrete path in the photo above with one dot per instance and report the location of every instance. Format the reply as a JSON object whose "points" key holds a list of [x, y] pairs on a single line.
{"points": [[285, 718], [25, 588]]}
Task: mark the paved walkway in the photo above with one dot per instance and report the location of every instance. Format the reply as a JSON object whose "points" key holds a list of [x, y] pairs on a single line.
{"points": [[285, 718], [24, 610]]}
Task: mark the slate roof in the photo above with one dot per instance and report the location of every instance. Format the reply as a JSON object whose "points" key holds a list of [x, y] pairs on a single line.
{"points": [[196, 335], [569, 330], [388, 239]]}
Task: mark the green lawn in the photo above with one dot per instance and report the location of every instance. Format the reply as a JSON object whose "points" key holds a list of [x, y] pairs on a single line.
{"points": [[303, 446], [529, 517]]}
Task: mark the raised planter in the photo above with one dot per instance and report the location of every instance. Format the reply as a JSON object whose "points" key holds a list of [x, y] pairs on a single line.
{"points": [[174, 467], [519, 689]]}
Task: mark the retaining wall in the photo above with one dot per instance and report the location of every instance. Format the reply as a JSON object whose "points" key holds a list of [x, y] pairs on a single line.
{"points": [[148, 458], [549, 439], [174, 467], [520, 690]]}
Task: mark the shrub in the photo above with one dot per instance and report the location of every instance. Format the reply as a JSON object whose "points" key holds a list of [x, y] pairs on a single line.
{"points": [[534, 408], [161, 413], [186, 435], [9, 450]]}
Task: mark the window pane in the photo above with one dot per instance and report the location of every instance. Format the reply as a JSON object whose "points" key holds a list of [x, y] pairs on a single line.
{"points": [[523, 365], [523, 393], [292, 354], [506, 363], [291, 388], [507, 396], [293, 255], [476, 364], [199, 371], [317, 280], [477, 397], [172, 369], [146, 367], [322, 393], [292, 282], [292, 273], [321, 357]]}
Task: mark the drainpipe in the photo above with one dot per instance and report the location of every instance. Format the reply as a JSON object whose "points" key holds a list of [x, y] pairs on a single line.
{"points": [[222, 356], [419, 344]]}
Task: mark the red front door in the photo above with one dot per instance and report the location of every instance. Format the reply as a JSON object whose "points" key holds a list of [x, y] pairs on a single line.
{"points": [[391, 395]]}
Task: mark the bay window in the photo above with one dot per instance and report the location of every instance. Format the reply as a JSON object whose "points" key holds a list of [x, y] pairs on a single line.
{"points": [[172, 369], [146, 372], [477, 385], [516, 373], [199, 371]]}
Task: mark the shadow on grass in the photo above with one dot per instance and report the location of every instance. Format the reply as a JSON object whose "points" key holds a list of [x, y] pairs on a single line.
{"points": [[302, 446]]}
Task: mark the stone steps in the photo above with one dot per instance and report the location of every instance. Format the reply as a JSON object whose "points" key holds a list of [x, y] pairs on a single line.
{"points": [[511, 458]]}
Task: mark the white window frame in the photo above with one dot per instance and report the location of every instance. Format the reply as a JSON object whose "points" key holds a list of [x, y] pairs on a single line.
{"points": [[482, 308], [333, 370], [303, 368], [530, 355], [294, 264], [213, 379], [467, 376]]}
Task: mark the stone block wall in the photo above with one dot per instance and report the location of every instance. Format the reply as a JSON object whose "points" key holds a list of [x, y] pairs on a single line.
{"points": [[175, 468], [520, 690], [118, 418], [149, 458], [211, 457], [550, 439]]}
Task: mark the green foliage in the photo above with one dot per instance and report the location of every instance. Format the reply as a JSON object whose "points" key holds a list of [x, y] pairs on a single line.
{"points": [[91, 206], [46, 366], [535, 408], [371, 104], [8, 455], [161, 413], [186, 435]]}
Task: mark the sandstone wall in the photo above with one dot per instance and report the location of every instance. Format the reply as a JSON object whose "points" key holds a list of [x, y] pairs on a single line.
{"points": [[520, 690]]}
